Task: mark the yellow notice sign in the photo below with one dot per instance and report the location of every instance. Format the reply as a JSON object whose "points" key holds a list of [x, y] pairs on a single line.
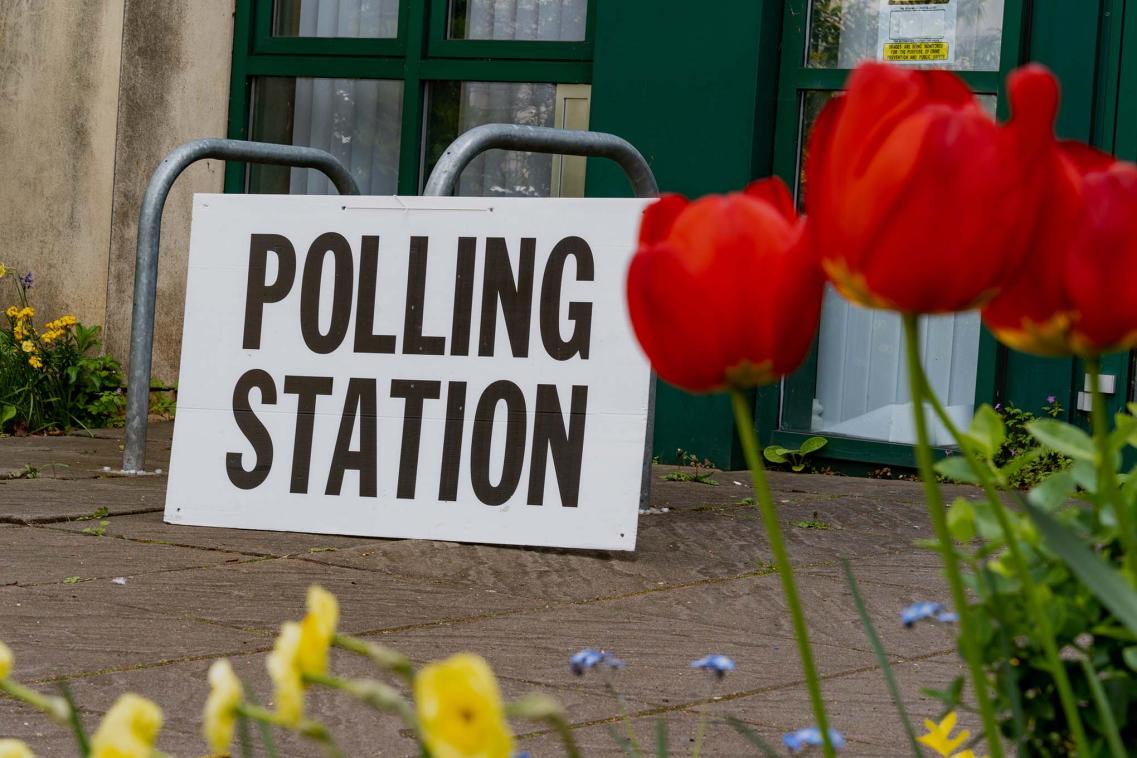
{"points": [[912, 52], [917, 32]]}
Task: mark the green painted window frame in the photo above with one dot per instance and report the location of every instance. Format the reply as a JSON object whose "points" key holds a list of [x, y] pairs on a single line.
{"points": [[420, 53], [795, 396]]}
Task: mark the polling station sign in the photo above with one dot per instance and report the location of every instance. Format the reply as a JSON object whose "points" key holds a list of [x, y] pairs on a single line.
{"points": [[442, 368]]}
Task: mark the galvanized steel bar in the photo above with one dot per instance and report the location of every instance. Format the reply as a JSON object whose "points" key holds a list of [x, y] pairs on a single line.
{"points": [[543, 139], [539, 139], [146, 258]]}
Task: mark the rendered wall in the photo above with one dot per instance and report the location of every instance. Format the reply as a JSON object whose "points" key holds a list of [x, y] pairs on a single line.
{"points": [[59, 64], [174, 87]]}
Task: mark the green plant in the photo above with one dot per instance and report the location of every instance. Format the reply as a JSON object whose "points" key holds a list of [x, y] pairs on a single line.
{"points": [[52, 378], [163, 400], [97, 531], [795, 457], [700, 473], [1034, 595], [1037, 462], [812, 523]]}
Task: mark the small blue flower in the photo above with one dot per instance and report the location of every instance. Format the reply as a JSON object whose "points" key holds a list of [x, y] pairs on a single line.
{"points": [[811, 737], [926, 610], [522, 754], [1050, 399], [26, 280], [716, 663], [590, 658]]}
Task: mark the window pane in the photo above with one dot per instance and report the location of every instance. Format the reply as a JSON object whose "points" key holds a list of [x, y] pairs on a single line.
{"points": [[455, 107], [965, 35], [861, 389], [551, 20], [356, 120], [335, 18]]}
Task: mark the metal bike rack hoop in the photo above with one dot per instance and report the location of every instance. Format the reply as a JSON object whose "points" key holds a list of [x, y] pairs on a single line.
{"points": [[543, 139], [539, 139], [146, 257]]}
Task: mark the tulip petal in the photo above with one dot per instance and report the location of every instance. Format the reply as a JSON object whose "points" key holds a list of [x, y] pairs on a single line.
{"points": [[774, 192], [1033, 92], [659, 217]]}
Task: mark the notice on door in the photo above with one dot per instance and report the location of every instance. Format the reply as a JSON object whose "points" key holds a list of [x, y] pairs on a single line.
{"points": [[917, 31], [441, 368]]}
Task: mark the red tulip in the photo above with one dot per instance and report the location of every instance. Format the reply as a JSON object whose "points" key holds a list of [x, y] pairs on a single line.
{"points": [[1034, 312], [1102, 265], [918, 201], [722, 292]]}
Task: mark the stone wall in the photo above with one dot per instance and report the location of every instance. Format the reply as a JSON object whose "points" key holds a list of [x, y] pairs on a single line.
{"points": [[59, 74], [95, 93]]}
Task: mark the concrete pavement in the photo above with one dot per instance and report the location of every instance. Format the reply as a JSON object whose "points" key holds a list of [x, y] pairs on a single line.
{"points": [[700, 581]]}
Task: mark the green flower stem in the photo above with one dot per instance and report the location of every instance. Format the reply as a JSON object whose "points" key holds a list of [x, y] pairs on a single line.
{"points": [[625, 717], [1107, 476], [938, 516], [697, 750], [1037, 612], [313, 730], [56, 708], [564, 731], [383, 657], [744, 423], [376, 694]]}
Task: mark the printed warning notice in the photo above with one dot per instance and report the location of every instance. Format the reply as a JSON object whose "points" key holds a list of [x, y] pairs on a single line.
{"points": [[917, 31], [915, 52]]}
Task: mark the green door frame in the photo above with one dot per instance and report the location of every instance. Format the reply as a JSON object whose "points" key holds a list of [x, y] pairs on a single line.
{"points": [[418, 54], [796, 79]]}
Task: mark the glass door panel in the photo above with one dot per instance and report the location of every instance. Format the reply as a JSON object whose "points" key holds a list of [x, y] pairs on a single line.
{"points": [[963, 35]]}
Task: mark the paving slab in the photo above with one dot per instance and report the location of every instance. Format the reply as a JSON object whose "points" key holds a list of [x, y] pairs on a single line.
{"points": [[149, 527], [67, 631], [259, 595], [79, 455], [49, 500], [81, 557]]}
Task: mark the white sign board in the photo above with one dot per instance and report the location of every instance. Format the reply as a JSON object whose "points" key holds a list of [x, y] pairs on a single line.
{"points": [[440, 368], [917, 31]]}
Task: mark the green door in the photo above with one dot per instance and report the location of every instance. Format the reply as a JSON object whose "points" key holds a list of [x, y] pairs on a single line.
{"points": [[852, 389]]}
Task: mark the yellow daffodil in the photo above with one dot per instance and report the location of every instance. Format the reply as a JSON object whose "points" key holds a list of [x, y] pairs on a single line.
{"points": [[66, 321], [129, 729], [460, 711], [26, 312], [939, 736], [28, 346], [302, 648], [14, 748], [220, 717], [5, 661], [35, 362], [3, 270], [287, 686], [12, 311], [317, 630]]}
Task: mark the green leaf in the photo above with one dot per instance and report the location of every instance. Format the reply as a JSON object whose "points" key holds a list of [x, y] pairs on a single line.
{"points": [[881, 657], [961, 520], [1016, 464], [798, 467], [752, 737], [813, 444], [1055, 490], [1124, 431], [1063, 438], [74, 721], [987, 431], [7, 413], [660, 738], [956, 468], [1105, 712], [620, 740], [1129, 654], [1105, 582], [775, 453]]}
